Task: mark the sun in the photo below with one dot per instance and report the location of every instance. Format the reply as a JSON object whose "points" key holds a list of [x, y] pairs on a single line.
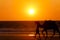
{"points": [[31, 11]]}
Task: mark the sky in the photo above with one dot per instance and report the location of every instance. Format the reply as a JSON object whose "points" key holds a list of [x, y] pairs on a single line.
{"points": [[19, 10]]}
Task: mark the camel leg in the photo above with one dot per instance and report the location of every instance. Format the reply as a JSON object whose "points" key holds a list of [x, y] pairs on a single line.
{"points": [[58, 32], [39, 37], [46, 34], [53, 34], [43, 33]]}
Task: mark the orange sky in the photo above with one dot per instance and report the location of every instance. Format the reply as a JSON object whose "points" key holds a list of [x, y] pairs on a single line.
{"points": [[18, 9]]}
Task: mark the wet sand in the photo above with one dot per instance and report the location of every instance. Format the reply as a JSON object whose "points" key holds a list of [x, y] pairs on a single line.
{"points": [[23, 38], [18, 36]]}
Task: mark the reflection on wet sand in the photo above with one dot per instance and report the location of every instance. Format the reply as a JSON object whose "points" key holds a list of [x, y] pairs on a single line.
{"points": [[25, 36]]}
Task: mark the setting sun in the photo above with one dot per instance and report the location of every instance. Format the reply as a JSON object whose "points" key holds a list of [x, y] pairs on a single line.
{"points": [[31, 11]]}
